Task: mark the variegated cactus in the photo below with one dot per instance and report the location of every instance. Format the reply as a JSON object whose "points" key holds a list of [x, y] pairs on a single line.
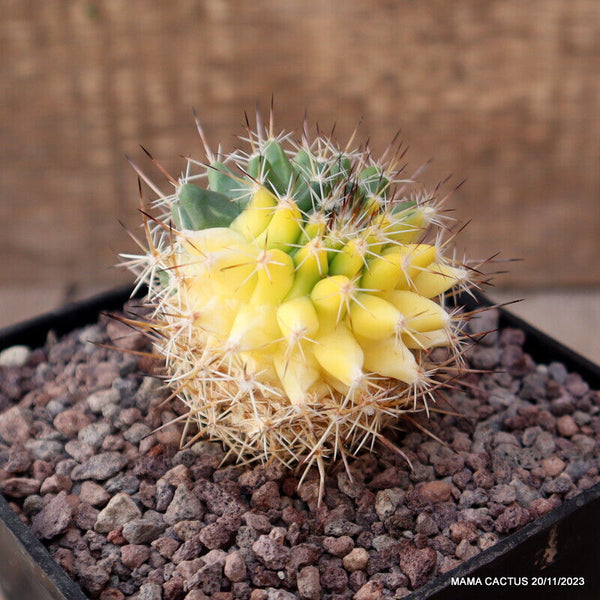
{"points": [[298, 291]]}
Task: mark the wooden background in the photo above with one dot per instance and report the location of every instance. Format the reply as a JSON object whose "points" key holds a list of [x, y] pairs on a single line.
{"points": [[504, 93]]}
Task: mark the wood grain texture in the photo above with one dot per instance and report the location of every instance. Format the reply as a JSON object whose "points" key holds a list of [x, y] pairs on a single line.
{"points": [[503, 93]]}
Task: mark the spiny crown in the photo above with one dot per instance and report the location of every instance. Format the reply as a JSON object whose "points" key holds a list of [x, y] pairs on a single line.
{"points": [[299, 294]]}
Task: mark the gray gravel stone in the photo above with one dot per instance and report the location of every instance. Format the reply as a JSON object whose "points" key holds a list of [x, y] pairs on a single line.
{"points": [[386, 502], [120, 510], [94, 434], [184, 506], [270, 553], [150, 591], [98, 400], [309, 584], [15, 356], [142, 531], [136, 432], [99, 467], [44, 449], [54, 517]]}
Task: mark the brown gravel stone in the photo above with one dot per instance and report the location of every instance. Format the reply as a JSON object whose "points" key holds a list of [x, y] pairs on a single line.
{"points": [[553, 466], [356, 560], [235, 567], [372, 590], [134, 555], [56, 483], [166, 546], [93, 494], [566, 426], [13, 426], [436, 491], [19, 487], [338, 546], [463, 530], [71, 421], [309, 583]]}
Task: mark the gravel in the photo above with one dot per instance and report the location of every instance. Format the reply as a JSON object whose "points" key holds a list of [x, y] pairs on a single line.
{"points": [[128, 514]]}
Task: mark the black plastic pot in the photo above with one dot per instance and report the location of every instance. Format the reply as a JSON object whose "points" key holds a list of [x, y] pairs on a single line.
{"points": [[554, 558]]}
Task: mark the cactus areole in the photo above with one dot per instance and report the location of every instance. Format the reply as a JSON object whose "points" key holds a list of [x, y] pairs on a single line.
{"points": [[298, 292]]}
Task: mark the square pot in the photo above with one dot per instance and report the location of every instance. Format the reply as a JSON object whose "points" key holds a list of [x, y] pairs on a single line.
{"points": [[552, 557]]}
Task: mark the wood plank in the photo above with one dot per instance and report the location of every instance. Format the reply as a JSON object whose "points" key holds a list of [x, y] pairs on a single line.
{"points": [[503, 93]]}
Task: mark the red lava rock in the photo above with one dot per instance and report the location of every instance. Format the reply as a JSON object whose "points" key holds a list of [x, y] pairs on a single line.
{"points": [[417, 564], [116, 537], [266, 496], [215, 536], [512, 518], [165, 546], [66, 560], [173, 589], [19, 459], [463, 530], [447, 564], [540, 506], [449, 465], [436, 491], [270, 553], [134, 555], [258, 522], [334, 579], [482, 478], [189, 550]]}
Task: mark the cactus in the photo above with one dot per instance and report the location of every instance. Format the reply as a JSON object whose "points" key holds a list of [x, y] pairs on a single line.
{"points": [[299, 289]]}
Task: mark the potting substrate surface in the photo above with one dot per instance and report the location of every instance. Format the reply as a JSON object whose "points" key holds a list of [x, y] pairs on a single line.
{"points": [[128, 514]]}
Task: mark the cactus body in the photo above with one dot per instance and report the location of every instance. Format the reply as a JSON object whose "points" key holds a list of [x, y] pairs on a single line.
{"points": [[300, 294]]}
